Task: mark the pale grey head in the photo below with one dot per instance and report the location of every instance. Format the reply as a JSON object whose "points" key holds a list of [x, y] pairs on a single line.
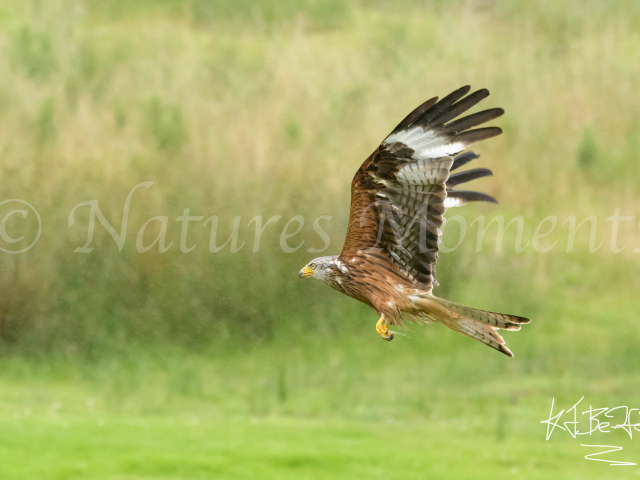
{"points": [[323, 268]]}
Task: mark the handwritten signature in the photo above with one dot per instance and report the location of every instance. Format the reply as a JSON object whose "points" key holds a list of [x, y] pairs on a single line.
{"points": [[601, 420]]}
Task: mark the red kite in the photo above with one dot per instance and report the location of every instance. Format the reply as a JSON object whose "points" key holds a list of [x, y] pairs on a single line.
{"points": [[398, 198]]}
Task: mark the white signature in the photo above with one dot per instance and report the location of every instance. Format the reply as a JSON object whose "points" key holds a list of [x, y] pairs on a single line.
{"points": [[600, 420]]}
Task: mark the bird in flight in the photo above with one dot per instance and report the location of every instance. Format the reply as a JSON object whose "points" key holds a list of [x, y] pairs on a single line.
{"points": [[399, 196]]}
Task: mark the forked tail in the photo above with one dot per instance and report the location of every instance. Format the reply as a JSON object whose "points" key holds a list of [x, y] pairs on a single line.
{"points": [[480, 325]]}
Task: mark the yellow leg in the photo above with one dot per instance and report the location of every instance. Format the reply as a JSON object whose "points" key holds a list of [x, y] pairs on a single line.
{"points": [[383, 331]]}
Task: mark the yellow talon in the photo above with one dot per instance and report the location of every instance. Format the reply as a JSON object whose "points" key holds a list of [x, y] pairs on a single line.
{"points": [[383, 331]]}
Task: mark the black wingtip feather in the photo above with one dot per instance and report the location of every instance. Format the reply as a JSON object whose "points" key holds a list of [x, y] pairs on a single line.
{"points": [[472, 136], [443, 105], [467, 176], [415, 114], [463, 159], [438, 113], [469, 196], [461, 106], [473, 120]]}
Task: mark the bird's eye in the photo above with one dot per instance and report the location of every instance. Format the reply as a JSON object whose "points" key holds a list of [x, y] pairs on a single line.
{"points": [[313, 265]]}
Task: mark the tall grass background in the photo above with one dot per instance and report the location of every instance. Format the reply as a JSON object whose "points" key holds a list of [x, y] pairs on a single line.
{"points": [[268, 108]]}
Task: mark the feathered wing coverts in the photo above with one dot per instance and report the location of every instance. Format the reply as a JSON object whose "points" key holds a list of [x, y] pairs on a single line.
{"points": [[401, 192]]}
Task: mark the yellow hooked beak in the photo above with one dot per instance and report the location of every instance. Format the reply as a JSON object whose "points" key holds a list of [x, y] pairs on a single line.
{"points": [[305, 272]]}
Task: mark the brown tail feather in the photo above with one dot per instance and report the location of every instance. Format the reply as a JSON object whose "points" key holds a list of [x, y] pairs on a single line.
{"points": [[483, 333], [497, 320], [480, 325]]}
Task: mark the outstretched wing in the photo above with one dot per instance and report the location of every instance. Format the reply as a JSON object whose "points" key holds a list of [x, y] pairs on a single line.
{"points": [[400, 193]]}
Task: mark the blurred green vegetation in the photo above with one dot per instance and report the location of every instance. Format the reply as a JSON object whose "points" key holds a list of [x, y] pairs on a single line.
{"points": [[268, 110], [240, 109]]}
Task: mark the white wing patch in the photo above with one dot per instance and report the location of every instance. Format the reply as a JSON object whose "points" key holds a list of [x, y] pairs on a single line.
{"points": [[412, 136], [426, 143], [454, 202]]}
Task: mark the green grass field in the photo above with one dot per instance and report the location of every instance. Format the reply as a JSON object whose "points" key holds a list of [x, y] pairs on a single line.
{"points": [[122, 364], [192, 420], [178, 447]]}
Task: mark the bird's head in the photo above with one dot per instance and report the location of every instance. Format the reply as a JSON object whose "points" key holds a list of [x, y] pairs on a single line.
{"points": [[322, 268]]}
